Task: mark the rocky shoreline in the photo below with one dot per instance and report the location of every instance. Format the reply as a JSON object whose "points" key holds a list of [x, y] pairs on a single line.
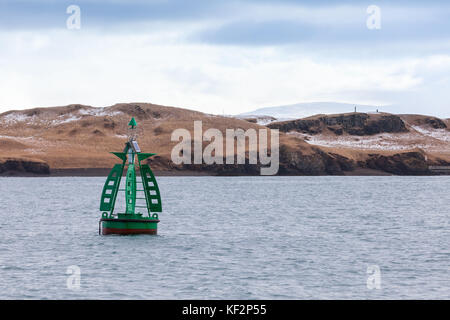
{"points": [[292, 163]]}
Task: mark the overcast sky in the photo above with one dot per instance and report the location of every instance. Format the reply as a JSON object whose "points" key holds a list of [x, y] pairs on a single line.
{"points": [[226, 56]]}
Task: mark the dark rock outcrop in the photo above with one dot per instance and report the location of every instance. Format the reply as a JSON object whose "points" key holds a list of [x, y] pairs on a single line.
{"points": [[436, 123], [295, 162], [163, 163], [109, 123], [140, 111], [355, 124], [256, 119], [408, 163], [134, 110], [12, 166], [433, 122], [292, 162]]}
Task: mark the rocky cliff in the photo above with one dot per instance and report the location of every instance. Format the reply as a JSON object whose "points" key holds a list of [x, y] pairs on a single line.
{"points": [[23, 167], [408, 163], [353, 123]]}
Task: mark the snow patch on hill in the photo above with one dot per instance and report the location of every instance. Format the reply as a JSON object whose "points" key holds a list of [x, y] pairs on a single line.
{"points": [[99, 112], [65, 119], [376, 142], [46, 119], [439, 134], [421, 137], [15, 117]]}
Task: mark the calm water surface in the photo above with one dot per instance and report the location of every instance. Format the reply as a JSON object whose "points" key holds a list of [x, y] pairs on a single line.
{"points": [[232, 238]]}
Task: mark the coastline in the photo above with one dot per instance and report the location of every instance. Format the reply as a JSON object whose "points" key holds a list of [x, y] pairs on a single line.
{"points": [[103, 172], [92, 172]]}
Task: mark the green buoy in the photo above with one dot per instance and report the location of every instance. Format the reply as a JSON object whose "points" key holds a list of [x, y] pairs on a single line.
{"points": [[132, 221]]}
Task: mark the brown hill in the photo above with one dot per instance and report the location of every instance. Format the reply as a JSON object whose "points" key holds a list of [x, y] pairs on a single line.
{"points": [[78, 137], [420, 120]]}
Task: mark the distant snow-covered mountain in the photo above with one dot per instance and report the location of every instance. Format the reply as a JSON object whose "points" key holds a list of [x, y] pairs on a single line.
{"points": [[302, 110]]}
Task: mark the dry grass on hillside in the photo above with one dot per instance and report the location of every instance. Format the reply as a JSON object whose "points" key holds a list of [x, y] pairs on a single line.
{"points": [[79, 136]]}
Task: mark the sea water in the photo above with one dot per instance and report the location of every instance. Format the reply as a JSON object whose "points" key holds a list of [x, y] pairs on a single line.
{"points": [[231, 238]]}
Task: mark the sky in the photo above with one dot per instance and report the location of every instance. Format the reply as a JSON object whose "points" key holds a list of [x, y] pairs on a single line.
{"points": [[226, 56]]}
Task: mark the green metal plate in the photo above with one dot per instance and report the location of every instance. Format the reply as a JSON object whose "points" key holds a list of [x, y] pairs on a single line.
{"points": [[110, 188], [151, 189]]}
